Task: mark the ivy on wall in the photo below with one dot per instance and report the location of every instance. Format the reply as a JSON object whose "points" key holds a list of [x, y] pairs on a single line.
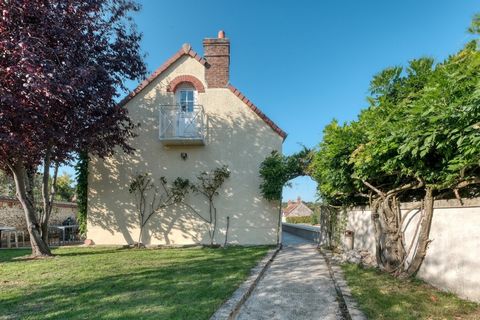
{"points": [[81, 169]]}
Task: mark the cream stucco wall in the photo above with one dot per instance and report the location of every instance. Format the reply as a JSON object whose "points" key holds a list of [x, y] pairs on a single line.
{"points": [[236, 137], [452, 258]]}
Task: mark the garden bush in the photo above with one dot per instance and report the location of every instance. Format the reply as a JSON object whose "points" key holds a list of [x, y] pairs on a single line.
{"points": [[302, 219]]}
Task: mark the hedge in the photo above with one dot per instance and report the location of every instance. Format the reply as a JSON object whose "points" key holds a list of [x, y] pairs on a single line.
{"points": [[302, 219]]}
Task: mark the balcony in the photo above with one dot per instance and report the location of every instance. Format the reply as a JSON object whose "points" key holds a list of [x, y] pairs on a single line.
{"points": [[182, 125]]}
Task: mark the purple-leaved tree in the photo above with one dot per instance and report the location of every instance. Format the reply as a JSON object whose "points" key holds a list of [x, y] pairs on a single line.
{"points": [[62, 65]]}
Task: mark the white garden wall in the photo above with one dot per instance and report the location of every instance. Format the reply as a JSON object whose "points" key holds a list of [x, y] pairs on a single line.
{"points": [[453, 257]]}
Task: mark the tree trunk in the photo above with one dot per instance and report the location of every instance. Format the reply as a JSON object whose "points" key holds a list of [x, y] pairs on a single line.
{"points": [[214, 223], [48, 194], [423, 238], [39, 247], [139, 243]]}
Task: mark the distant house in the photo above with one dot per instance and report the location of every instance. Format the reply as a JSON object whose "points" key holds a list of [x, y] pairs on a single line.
{"points": [[296, 209]]}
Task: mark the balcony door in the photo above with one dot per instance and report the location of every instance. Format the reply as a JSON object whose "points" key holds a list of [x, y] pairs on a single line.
{"points": [[186, 119]]}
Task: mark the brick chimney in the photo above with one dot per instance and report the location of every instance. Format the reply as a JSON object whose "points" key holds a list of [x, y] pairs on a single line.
{"points": [[217, 53], [299, 200]]}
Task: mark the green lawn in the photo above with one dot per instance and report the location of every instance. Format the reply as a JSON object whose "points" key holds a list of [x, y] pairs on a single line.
{"points": [[111, 283], [382, 296]]}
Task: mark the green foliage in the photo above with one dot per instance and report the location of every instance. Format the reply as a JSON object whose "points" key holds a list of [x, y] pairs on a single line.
{"points": [[81, 169], [273, 173], [149, 199], [423, 124], [315, 218], [333, 222], [276, 170], [300, 219], [331, 166], [208, 183], [179, 189], [475, 25], [65, 188], [7, 185], [141, 182]]}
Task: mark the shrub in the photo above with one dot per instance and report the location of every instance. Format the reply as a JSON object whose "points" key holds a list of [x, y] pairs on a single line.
{"points": [[315, 218], [302, 219]]}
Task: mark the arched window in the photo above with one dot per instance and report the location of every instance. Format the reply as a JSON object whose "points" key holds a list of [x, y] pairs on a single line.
{"points": [[186, 97]]}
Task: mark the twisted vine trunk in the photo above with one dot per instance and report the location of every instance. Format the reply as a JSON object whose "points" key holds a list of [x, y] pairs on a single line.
{"points": [[393, 254], [423, 240], [388, 235]]}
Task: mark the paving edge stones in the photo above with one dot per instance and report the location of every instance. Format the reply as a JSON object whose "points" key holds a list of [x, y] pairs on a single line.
{"points": [[341, 285], [230, 308]]}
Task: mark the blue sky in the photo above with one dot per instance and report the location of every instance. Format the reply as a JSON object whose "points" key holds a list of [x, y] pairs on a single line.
{"points": [[307, 62]]}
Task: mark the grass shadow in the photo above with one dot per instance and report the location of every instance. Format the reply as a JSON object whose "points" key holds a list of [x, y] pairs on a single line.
{"points": [[125, 283]]}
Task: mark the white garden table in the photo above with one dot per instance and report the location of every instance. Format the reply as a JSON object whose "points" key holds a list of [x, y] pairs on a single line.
{"points": [[9, 231], [63, 228]]}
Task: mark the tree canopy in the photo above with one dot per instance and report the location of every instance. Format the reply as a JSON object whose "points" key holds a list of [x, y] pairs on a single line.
{"points": [[421, 126], [418, 139]]}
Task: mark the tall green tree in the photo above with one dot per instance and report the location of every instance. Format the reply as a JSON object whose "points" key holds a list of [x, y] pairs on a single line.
{"points": [[419, 139], [65, 187], [331, 166]]}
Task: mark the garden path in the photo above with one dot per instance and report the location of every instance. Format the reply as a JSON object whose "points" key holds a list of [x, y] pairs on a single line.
{"points": [[297, 286]]}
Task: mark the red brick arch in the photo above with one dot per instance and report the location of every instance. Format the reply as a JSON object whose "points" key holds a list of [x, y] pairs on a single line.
{"points": [[197, 84]]}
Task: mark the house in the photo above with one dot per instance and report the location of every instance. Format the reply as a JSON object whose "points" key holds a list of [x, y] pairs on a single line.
{"points": [[192, 119], [296, 209]]}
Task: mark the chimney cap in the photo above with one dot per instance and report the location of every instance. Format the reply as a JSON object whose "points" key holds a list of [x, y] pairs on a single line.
{"points": [[221, 34]]}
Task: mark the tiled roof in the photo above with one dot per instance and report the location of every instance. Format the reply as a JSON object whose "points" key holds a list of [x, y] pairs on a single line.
{"points": [[290, 207], [294, 205], [187, 50]]}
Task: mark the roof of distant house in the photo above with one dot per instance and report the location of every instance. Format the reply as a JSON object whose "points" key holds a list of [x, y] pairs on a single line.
{"points": [[293, 205]]}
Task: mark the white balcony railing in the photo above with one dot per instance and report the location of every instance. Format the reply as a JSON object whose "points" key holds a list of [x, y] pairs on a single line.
{"points": [[182, 126]]}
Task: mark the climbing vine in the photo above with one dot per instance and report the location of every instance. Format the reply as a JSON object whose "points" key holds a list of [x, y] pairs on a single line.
{"points": [[207, 185], [150, 199], [276, 170], [81, 169]]}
